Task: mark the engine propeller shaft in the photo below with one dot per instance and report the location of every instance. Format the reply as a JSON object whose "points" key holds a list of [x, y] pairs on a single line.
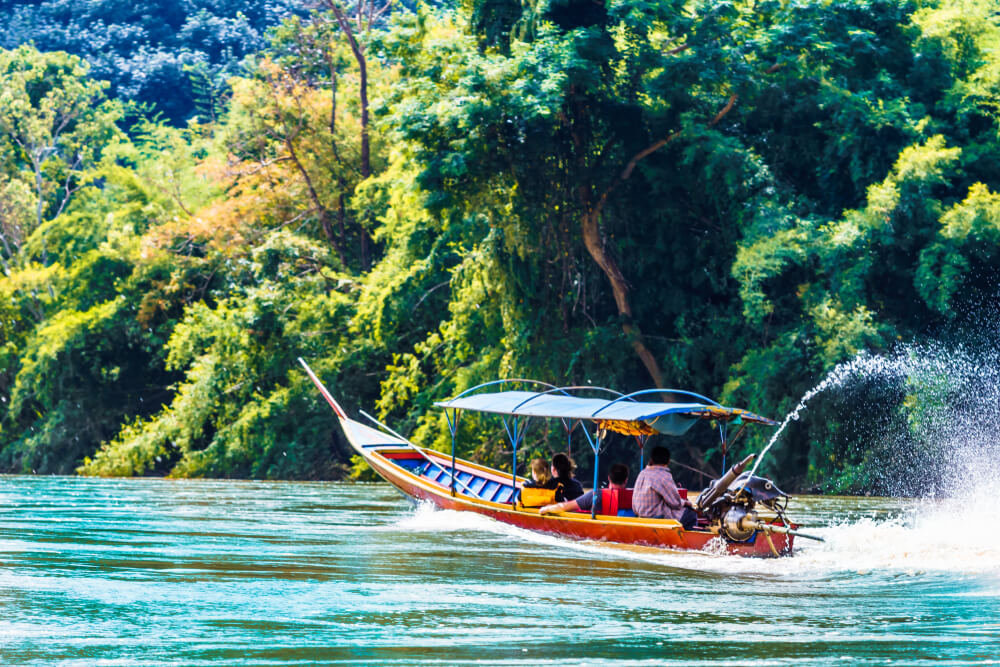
{"points": [[771, 528]]}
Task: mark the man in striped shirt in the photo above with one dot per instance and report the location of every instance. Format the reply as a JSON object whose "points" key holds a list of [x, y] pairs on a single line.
{"points": [[656, 496]]}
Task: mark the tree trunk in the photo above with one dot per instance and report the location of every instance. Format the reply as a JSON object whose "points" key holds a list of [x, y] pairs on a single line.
{"points": [[321, 210], [359, 56], [333, 147], [590, 224]]}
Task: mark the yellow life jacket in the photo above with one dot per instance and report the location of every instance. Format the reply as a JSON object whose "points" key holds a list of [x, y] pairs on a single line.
{"points": [[534, 497]]}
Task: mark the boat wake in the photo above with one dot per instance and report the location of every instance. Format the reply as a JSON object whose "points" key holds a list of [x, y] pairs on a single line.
{"points": [[883, 538], [426, 518], [921, 544]]}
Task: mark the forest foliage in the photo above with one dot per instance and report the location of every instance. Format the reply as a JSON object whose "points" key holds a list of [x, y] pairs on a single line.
{"points": [[726, 197], [172, 57]]}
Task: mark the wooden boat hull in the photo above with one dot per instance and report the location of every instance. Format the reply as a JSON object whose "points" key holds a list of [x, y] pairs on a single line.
{"points": [[425, 475]]}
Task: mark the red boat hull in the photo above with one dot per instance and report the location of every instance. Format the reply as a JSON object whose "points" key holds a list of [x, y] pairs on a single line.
{"points": [[661, 533]]}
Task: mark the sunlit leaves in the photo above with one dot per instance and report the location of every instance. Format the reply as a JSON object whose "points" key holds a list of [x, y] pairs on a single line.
{"points": [[54, 121]]}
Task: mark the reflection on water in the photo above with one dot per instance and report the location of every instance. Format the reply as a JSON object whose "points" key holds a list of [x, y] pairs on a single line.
{"points": [[227, 573]]}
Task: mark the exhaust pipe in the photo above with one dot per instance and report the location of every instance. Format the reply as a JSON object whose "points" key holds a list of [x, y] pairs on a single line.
{"points": [[709, 495]]}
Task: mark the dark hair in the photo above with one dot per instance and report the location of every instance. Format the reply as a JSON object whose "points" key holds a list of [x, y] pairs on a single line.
{"points": [[618, 474], [563, 465], [660, 456]]}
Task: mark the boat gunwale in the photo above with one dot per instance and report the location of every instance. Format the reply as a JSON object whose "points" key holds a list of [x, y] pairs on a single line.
{"points": [[445, 493]]}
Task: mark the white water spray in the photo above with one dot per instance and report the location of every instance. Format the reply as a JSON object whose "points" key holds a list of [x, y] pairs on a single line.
{"points": [[952, 409], [841, 373]]}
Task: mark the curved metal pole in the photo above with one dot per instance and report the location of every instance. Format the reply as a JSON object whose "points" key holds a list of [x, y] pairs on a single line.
{"points": [[566, 391], [493, 382], [655, 391]]}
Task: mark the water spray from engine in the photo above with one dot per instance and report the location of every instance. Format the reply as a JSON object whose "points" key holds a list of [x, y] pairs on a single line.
{"points": [[842, 373], [950, 398]]}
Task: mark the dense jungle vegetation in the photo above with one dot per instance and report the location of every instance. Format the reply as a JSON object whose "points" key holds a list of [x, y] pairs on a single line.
{"points": [[728, 197], [173, 57]]}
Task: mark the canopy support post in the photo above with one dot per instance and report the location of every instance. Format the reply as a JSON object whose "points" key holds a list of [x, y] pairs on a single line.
{"points": [[569, 434], [513, 463], [597, 453], [453, 427], [515, 436]]}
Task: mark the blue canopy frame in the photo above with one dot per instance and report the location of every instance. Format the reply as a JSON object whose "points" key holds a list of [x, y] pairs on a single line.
{"points": [[622, 414]]}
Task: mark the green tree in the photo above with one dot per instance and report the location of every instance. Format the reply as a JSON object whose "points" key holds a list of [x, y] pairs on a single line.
{"points": [[54, 121], [147, 49]]}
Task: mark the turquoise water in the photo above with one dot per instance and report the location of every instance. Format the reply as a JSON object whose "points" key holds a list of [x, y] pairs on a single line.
{"points": [[155, 572]]}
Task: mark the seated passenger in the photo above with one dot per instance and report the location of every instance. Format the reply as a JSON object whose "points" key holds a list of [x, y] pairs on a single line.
{"points": [[655, 495], [567, 487], [617, 479], [541, 488], [540, 476]]}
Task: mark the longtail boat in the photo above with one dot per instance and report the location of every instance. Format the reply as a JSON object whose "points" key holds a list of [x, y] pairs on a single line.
{"points": [[738, 513]]}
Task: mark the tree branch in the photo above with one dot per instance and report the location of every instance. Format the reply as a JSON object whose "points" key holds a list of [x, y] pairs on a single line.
{"points": [[652, 148], [725, 110]]}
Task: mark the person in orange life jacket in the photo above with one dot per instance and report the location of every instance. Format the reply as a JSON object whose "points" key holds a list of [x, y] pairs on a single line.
{"points": [[655, 495], [617, 479], [567, 487]]}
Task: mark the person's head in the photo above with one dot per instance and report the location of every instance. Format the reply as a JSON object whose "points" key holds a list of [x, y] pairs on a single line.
{"points": [[562, 466], [660, 456], [540, 470], [618, 474]]}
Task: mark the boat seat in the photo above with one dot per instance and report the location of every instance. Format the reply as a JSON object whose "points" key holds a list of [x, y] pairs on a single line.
{"points": [[490, 488], [615, 502]]}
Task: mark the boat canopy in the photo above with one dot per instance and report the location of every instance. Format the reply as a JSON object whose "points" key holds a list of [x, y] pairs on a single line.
{"points": [[623, 414]]}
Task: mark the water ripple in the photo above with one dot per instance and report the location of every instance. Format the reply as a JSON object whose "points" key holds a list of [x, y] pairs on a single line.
{"points": [[155, 572]]}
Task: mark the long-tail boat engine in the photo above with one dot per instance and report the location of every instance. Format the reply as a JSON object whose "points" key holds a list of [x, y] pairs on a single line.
{"points": [[731, 504]]}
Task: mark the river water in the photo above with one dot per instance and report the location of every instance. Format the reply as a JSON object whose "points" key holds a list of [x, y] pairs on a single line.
{"points": [[158, 572]]}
